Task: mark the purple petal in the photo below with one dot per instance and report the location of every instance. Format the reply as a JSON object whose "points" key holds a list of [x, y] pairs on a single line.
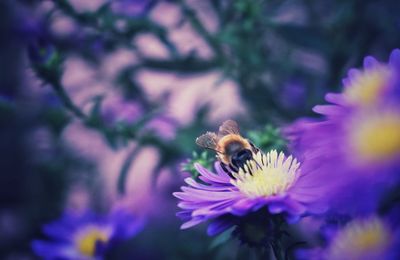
{"points": [[243, 206], [197, 185], [49, 250], [276, 208], [291, 219], [370, 62], [195, 194], [219, 225], [295, 208], [184, 214], [210, 176], [328, 110], [192, 222], [394, 59], [354, 73], [220, 171], [214, 209], [335, 98]]}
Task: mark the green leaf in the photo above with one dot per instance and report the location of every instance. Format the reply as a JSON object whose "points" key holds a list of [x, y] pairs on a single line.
{"points": [[221, 238], [204, 159], [267, 138]]}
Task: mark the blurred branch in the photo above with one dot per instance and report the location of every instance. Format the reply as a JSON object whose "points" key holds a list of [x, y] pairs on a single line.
{"points": [[170, 153], [66, 100], [191, 15], [123, 174], [104, 21]]}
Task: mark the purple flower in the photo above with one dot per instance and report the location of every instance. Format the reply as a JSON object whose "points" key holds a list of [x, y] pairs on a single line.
{"points": [[117, 110], [371, 86], [293, 94], [269, 180], [132, 7], [86, 236], [356, 145], [162, 126], [366, 238]]}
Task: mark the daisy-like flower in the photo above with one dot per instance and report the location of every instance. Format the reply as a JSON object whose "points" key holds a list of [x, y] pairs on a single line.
{"points": [[368, 238], [356, 145], [86, 236], [371, 86], [269, 180]]}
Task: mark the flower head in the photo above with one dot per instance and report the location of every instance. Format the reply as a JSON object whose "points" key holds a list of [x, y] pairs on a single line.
{"points": [[267, 180], [371, 86], [365, 87], [266, 175], [356, 145], [374, 136], [363, 238], [85, 236]]}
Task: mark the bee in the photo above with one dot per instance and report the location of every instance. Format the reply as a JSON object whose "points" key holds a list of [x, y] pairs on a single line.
{"points": [[232, 149]]}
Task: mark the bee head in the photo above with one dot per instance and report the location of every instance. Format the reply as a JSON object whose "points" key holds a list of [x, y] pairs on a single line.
{"points": [[241, 157]]}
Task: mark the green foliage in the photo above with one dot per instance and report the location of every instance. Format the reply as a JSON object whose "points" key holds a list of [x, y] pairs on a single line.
{"points": [[221, 239], [204, 159], [267, 138]]}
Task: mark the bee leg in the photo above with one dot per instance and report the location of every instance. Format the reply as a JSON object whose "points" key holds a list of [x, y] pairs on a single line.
{"points": [[233, 168], [229, 172], [254, 148]]}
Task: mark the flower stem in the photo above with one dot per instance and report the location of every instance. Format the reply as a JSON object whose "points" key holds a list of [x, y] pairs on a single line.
{"points": [[277, 248]]}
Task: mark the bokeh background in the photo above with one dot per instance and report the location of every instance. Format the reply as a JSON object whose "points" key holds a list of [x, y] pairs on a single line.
{"points": [[101, 100]]}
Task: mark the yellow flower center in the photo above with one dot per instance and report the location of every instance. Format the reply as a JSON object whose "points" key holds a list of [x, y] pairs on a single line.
{"points": [[376, 137], [266, 175], [359, 239], [365, 88], [89, 237]]}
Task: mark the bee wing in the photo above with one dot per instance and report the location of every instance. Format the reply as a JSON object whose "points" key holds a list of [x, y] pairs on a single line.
{"points": [[207, 140], [228, 127]]}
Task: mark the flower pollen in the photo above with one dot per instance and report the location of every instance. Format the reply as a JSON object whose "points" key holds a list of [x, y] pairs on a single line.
{"points": [[366, 87], [359, 239], [377, 137], [266, 175], [88, 238]]}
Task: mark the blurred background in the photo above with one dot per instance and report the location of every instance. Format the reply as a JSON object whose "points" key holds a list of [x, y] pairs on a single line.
{"points": [[101, 100]]}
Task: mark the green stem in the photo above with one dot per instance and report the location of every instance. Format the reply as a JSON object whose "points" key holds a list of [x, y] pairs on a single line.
{"points": [[278, 250], [68, 103]]}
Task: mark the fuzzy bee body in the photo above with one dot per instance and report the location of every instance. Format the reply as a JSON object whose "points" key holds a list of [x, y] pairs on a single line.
{"points": [[232, 149]]}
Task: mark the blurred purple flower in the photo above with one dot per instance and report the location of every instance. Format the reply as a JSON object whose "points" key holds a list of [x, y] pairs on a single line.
{"points": [[27, 25], [373, 85], [121, 111], [162, 126], [86, 236], [272, 180], [132, 7], [367, 238], [293, 94], [356, 146]]}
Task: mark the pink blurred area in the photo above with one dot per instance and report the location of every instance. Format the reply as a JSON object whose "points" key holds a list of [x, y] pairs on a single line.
{"points": [[186, 94]]}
